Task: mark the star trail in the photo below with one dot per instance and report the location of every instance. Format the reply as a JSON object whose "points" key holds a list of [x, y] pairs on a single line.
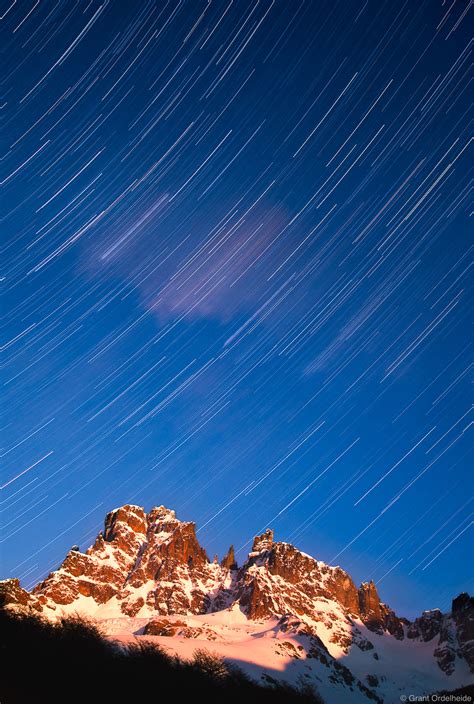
{"points": [[237, 279]]}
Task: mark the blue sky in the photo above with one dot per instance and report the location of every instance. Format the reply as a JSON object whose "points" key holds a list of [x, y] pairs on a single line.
{"points": [[237, 281]]}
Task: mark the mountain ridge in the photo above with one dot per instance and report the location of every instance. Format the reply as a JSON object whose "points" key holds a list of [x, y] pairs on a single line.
{"points": [[148, 572]]}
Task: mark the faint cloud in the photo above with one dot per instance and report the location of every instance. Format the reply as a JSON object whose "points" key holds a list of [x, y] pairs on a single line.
{"points": [[221, 277]]}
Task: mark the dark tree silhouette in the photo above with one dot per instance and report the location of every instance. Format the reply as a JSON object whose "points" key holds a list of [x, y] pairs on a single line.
{"points": [[71, 661]]}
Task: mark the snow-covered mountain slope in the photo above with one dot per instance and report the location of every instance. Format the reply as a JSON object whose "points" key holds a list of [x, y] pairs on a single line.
{"points": [[281, 615]]}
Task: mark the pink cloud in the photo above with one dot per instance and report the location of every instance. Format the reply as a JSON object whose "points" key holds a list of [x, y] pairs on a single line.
{"points": [[222, 277]]}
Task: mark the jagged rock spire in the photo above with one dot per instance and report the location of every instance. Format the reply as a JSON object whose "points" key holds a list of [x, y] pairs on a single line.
{"points": [[228, 562], [370, 606], [263, 542]]}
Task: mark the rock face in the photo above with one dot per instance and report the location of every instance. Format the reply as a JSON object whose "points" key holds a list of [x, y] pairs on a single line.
{"points": [[463, 617], [427, 626], [170, 629], [377, 616], [144, 561], [452, 632], [11, 594], [370, 607], [263, 542], [151, 566], [229, 562]]}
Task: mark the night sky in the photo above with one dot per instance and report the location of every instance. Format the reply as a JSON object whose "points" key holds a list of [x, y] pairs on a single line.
{"points": [[237, 280]]}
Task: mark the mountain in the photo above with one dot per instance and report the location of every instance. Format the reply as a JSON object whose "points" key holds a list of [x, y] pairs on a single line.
{"points": [[282, 615]]}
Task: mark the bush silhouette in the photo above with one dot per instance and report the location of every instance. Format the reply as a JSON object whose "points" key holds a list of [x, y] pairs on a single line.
{"points": [[71, 661]]}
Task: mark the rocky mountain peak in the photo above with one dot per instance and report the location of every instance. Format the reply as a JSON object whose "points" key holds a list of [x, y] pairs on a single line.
{"points": [[263, 542], [176, 540], [129, 515], [462, 604], [161, 514], [426, 626], [370, 606], [228, 562], [125, 527], [463, 617], [151, 565]]}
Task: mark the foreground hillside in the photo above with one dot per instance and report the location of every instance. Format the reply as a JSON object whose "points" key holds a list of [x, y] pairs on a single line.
{"points": [[281, 616], [70, 661]]}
